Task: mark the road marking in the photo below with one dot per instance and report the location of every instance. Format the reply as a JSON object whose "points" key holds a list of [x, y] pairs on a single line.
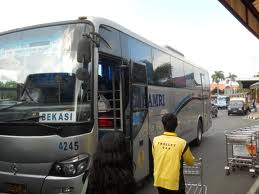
{"points": [[254, 187]]}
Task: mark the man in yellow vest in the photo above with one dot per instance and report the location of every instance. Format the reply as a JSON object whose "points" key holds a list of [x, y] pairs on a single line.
{"points": [[169, 153]]}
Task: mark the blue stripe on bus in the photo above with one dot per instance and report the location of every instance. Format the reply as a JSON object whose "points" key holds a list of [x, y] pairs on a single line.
{"points": [[185, 101]]}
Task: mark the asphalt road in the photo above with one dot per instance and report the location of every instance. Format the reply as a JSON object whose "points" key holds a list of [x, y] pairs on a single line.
{"points": [[212, 150]]}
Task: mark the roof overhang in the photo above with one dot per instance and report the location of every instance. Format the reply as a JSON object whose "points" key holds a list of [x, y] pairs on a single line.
{"points": [[255, 85], [247, 82], [246, 11]]}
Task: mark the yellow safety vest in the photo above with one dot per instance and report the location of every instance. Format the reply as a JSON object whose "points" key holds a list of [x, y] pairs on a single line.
{"points": [[169, 152]]}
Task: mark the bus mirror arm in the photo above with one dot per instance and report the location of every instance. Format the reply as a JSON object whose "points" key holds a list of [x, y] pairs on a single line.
{"points": [[96, 39]]}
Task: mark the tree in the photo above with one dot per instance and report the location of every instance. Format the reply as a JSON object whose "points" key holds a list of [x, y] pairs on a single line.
{"points": [[1, 84], [10, 84], [217, 77], [231, 77]]}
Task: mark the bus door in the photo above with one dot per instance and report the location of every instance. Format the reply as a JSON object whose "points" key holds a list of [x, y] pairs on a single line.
{"points": [[139, 118], [205, 103], [110, 109]]}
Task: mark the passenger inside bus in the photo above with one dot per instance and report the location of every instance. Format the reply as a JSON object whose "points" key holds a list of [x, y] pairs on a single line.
{"points": [[103, 96]]}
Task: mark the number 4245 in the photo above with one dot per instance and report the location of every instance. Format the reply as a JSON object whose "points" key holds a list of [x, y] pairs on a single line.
{"points": [[66, 146]]}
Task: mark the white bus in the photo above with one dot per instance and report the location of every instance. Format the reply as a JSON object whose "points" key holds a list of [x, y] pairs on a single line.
{"points": [[72, 82]]}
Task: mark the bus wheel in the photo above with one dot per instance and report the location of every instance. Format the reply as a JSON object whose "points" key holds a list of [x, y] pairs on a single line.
{"points": [[198, 140]]}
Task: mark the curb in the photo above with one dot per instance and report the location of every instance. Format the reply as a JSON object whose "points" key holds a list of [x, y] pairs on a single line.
{"points": [[254, 188], [253, 117]]}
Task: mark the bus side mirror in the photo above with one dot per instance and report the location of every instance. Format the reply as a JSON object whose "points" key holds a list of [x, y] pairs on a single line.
{"points": [[84, 50], [82, 74]]}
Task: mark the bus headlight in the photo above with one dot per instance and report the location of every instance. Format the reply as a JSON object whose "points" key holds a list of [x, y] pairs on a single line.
{"points": [[81, 167], [71, 167]]}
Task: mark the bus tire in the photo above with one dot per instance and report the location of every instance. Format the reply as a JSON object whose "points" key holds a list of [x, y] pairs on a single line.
{"points": [[198, 140]]}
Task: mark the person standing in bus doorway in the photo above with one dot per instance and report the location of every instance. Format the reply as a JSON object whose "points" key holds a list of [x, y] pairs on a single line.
{"points": [[112, 170], [169, 153]]}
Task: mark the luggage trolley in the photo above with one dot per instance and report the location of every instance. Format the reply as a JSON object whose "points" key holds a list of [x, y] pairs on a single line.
{"points": [[241, 149], [194, 178]]}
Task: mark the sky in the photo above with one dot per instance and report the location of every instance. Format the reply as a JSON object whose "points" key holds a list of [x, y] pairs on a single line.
{"points": [[203, 30]]}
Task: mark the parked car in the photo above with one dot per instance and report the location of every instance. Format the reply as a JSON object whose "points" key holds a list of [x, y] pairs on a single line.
{"points": [[237, 107], [214, 110]]}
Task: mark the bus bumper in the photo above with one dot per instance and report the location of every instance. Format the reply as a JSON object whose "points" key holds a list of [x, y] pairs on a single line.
{"points": [[20, 183], [65, 185], [10, 183]]}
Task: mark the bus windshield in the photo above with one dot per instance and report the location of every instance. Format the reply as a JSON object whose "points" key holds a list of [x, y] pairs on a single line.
{"points": [[38, 75]]}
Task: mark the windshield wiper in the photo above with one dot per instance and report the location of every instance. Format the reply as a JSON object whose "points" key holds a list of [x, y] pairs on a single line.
{"points": [[11, 106], [23, 119], [58, 129]]}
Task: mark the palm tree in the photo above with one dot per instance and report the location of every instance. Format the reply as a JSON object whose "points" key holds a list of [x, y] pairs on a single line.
{"points": [[217, 77], [231, 77]]}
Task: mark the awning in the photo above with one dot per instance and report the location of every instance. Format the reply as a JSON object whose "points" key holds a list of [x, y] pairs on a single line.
{"points": [[246, 11], [255, 85]]}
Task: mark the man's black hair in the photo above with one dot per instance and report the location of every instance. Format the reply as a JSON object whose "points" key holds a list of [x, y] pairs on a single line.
{"points": [[170, 122], [112, 170]]}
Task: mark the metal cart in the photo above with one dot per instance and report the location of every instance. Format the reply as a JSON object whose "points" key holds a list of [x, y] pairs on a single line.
{"points": [[194, 178], [241, 149]]}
